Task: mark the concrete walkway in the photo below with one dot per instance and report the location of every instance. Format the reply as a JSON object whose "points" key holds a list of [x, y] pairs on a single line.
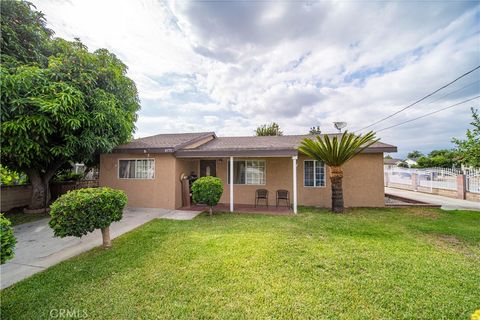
{"points": [[445, 202], [37, 248]]}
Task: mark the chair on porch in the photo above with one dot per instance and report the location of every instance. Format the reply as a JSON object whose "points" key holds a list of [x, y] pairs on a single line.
{"points": [[261, 194], [283, 195]]}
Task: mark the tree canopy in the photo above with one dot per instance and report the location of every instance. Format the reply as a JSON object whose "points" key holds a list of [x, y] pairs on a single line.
{"points": [[272, 129], [415, 154], [70, 107], [24, 35], [469, 148], [439, 158]]}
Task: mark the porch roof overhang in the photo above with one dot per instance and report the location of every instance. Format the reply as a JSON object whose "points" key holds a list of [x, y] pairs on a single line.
{"points": [[254, 153]]}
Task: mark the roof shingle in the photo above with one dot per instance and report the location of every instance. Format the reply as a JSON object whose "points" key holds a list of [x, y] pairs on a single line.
{"points": [[164, 141]]}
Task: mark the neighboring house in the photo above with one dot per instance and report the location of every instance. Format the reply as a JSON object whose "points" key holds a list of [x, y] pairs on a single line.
{"points": [[411, 162], [391, 163], [149, 169]]}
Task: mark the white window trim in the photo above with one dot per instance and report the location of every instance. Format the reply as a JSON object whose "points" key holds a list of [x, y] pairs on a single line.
{"points": [[247, 184], [118, 169], [324, 172]]}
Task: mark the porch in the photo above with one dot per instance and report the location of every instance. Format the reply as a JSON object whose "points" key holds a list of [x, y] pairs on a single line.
{"points": [[242, 178], [243, 208]]}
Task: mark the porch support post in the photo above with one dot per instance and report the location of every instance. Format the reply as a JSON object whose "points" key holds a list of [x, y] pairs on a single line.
{"points": [[294, 160], [231, 184]]}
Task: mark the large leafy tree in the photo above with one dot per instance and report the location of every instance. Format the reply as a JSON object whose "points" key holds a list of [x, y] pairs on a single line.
{"points": [[24, 35], [469, 148], [439, 158], [335, 152], [272, 129], [72, 107]]}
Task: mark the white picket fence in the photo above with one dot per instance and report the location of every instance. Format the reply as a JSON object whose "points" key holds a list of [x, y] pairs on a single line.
{"points": [[472, 177], [440, 178]]}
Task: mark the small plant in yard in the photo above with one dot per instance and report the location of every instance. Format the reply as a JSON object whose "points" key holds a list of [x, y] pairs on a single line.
{"points": [[79, 212], [7, 240], [207, 190]]}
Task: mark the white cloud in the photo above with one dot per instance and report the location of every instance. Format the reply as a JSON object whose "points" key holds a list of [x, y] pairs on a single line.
{"points": [[230, 66]]}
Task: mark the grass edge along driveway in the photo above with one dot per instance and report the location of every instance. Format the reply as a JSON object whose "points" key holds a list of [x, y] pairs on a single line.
{"points": [[365, 264]]}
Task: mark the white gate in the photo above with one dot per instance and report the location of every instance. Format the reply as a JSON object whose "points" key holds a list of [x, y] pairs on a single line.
{"points": [[472, 177], [444, 178], [424, 179]]}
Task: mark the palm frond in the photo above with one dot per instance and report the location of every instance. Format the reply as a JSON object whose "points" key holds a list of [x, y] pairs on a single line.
{"points": [[337, 150]]}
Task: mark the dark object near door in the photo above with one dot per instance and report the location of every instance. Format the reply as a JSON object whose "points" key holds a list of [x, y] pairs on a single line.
{"points": [[208, 168]]}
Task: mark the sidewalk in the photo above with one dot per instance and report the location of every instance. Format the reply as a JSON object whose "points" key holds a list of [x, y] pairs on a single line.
{"points": [[445, 202], [37, 248]]}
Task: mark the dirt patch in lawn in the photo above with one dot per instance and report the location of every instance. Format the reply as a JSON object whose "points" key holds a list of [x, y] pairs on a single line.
{"points": [[423, 212], [450, 242]]}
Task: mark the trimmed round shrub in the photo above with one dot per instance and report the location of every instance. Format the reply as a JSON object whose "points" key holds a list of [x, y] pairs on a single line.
{"points": [[8, 240], [207, 190], [81, 211]]}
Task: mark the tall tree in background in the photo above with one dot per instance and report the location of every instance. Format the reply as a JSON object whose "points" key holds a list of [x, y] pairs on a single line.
{"points": [[272, 129], [335, 153], [439, 158], [469, 148], [59, 102], [415, 154], [315, 130]]}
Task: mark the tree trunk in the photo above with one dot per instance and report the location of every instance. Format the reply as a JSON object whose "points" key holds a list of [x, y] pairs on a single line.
{"points": [[211, 211], [41, 186], [336, 177], [40, 190], [107, 243]]}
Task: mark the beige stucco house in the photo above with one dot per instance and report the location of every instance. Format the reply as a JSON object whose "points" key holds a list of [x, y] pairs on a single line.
{"points": [[149, 170]]}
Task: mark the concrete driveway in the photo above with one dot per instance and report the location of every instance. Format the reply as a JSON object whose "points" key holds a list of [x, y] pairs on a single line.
{"points": [[37, 248], [445, 202]]}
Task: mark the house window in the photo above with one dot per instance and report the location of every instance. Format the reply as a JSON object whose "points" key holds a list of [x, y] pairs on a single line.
{"points": [[136, 169], [248, 172], [314, 173]]}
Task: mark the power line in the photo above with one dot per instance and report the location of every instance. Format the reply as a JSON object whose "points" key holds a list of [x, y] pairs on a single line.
{"points": [[429, 114], [420, 100], [455, 91]]}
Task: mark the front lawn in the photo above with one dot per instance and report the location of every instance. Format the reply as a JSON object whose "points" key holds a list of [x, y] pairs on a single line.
{"points": [[365, 264]]}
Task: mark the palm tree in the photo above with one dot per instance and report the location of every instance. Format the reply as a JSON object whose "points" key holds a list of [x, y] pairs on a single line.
{"points": [[335, 153]]}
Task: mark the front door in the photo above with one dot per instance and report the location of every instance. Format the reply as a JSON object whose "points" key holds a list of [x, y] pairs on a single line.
{"points": [[208, 168]]}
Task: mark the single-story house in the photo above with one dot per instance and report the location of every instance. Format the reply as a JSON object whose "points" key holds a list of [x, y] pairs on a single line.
{"points": [[411, 162], [391, 162], [149, 170]]}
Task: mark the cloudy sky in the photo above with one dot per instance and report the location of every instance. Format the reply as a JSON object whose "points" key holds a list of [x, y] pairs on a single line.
{"points": [[231, 66]]}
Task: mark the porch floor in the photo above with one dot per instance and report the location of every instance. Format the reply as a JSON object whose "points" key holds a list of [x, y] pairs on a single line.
{"points": [[243, 208]]}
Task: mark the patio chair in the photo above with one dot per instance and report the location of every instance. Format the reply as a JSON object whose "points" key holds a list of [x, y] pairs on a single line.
{"points": [[261, 194], [283, 195]]}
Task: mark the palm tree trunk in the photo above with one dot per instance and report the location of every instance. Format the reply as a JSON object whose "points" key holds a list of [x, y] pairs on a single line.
{"points": [[336, 177]]}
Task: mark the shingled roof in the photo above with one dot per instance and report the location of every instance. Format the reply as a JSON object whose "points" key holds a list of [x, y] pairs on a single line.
{"points": [[262, 146], [181, 144], [163, 143]]}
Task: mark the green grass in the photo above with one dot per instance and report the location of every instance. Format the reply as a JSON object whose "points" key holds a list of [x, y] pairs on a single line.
{"points": [[17, 216], [365, 264]]}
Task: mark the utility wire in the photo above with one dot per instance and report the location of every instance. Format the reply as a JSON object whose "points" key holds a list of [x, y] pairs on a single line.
{"points": [[429, 114], [420, 100], [455, 91]]}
